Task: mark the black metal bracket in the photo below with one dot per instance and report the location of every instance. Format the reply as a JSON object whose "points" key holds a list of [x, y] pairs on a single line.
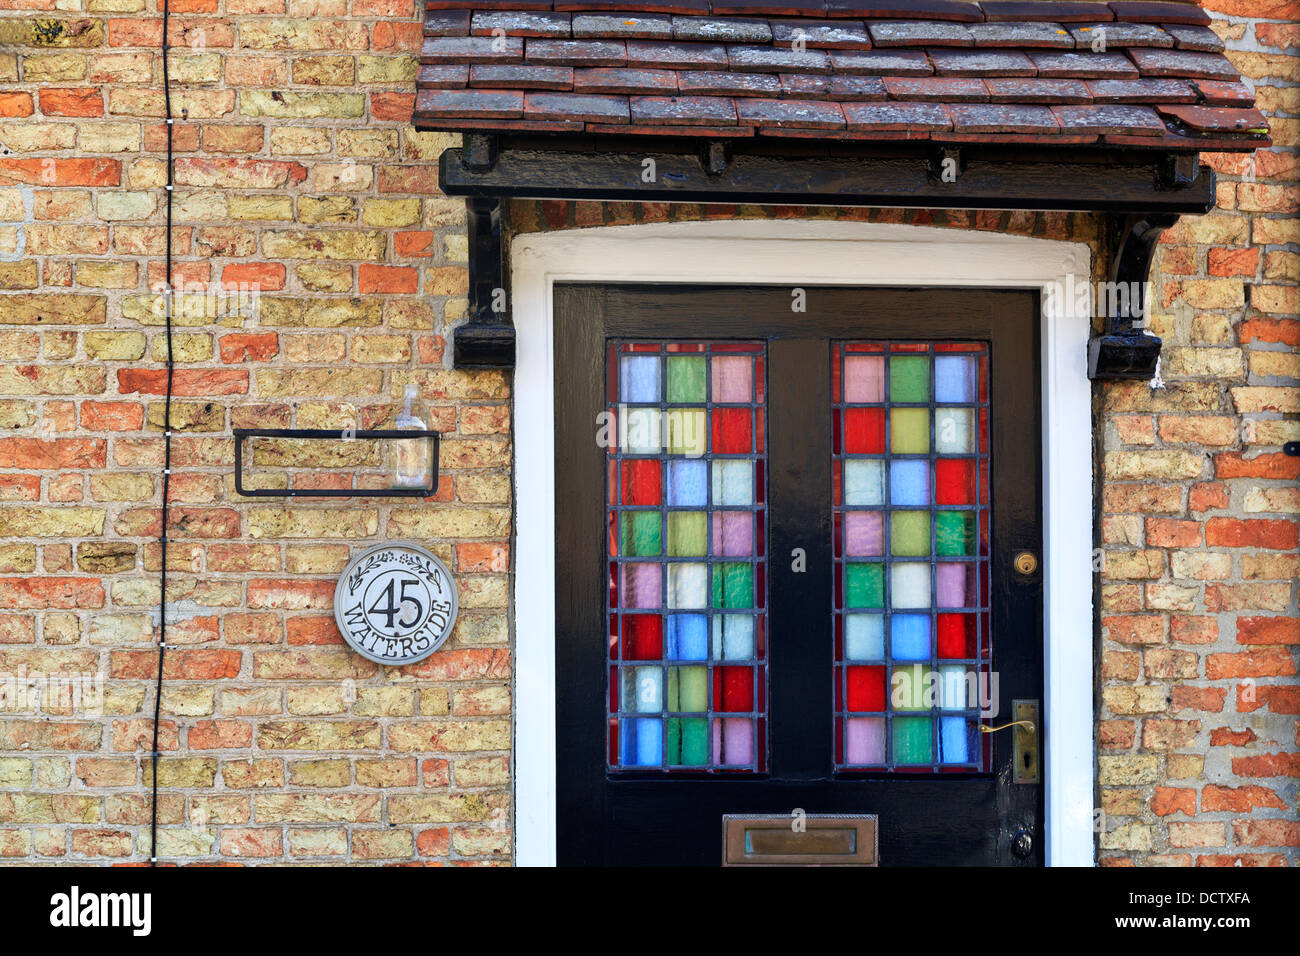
{"points": [[487, 340], [336, 434], [1125, 350]]}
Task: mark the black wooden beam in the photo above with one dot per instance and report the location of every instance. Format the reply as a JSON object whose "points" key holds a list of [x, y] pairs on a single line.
{"points": [[487, 340], [1037, 179], [1125, 350]]}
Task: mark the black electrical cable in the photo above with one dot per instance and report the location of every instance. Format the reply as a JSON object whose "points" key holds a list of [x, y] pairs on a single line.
{"points": [[167, 453]]}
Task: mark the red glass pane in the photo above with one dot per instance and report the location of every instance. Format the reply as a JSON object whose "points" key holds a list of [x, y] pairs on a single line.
{"points": [[864, 431], [643, 637], [642, 482], [732, 431], [866, 688], [733, 689], [955, 636], [954, 481]]}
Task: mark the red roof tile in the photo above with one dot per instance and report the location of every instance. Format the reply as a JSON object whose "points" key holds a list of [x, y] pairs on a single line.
{"points": [[1008, 71]]}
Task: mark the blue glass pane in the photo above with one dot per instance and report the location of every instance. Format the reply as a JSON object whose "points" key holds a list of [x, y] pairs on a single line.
{"points": [[954, 378], [688, 638], [909, 482], [909, 637], [687, 483], [952, 740], [642, 742], [640, 378]]}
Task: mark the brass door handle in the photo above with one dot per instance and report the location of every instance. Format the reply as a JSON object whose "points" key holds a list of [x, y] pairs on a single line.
{"points": [[1027, 724]]}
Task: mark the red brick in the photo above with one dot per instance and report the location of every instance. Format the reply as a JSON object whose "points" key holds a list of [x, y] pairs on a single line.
{"points": [[1117, 734], [1233, 262], [179, 664], [76, 102], [1285, 331], [1267, 765], [261, 276], [220, 734], [1278, 699], [112, 416], [1170, 800], [1135, 628], [1204, 699], [313, 629], [1239, 799], [435, 841], [1270, 465], [35, 454], [1272, 533], [16, 104], [249, 347], [1172, 533], [51, 592], [1266, 832], [1268, 630], [1205, 495], [1227, 737], [61, 172], [1241, 859], [1262, 662], [1193, 630], [205, 383], [388, 279]]}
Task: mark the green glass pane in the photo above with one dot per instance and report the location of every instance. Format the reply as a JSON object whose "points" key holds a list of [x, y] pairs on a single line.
{"points": [[909, 378], [642, 533], [909, 533], [953, 532], [686, 378], [864, 585], [687, 534], [688, 689], [912, 740], [673, 741], [733, 585], [909, 431], [695, 741]]}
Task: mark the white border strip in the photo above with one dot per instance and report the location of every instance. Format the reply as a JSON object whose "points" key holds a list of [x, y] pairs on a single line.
{"points": [[811, 253]]}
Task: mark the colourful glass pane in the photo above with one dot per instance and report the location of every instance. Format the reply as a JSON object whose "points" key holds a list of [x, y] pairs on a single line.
{"points": [[864, 379], [687, 534], [864, 482], [865, 585], [864, 637], [864, 431], [686, 379], [912, 740], [864, 741], [909, 431], [864, 533], [909, 534], [684, 548], [909, 378]]}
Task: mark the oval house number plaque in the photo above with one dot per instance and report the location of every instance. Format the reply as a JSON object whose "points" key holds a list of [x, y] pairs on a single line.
{"points": [[395, 603]]}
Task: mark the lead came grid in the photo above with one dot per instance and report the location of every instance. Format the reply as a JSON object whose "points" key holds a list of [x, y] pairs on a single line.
{"points": [[911, 570], [686, 539]]}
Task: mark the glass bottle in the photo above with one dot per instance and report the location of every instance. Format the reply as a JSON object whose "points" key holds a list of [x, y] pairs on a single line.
{"points": [[412, 460]]}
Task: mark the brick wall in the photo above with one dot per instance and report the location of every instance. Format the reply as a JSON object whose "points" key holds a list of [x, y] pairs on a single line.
{"points": [[297, 181], [297, 177]]}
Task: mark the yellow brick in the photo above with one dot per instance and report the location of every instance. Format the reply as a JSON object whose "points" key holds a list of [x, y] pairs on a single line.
{"points": [[391, 212], [114, 346]]}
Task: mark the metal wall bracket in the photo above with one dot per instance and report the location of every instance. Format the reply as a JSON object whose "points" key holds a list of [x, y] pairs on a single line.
{"points": [[487, 340], [1125, 350], [335, 434]]}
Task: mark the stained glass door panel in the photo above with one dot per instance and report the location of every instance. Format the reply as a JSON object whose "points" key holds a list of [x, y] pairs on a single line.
{"points": [[910, 494], [685, 498]]}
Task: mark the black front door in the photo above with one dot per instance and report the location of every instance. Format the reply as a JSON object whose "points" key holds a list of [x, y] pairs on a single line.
{"points": [[787, 531]]}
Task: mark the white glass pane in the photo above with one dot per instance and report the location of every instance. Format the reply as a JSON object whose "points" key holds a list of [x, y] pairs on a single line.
{"points": [[641, 431], [864, 637], [864, 482], [952, 430], [909, 585], [688, 585], [733, 483]]}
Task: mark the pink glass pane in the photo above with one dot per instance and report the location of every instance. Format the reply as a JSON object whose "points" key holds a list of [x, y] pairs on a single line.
{"points": [[864, 740], [642, 585], [732, 379], [864, 378], [864, 533], [733, 533]]}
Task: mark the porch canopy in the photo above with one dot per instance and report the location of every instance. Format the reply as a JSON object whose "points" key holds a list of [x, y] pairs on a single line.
{"points": [[1006, 104]]}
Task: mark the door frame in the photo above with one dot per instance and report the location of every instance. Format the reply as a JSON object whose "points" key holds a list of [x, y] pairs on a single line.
{"points": [[808, 253]]}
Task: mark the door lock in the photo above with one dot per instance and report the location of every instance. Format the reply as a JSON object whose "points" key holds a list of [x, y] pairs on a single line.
{"points": [[1026, 563], [1022, 844]]}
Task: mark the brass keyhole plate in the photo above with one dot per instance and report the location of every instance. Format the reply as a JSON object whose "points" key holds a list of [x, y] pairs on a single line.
{"points": [[1026, 563]]}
